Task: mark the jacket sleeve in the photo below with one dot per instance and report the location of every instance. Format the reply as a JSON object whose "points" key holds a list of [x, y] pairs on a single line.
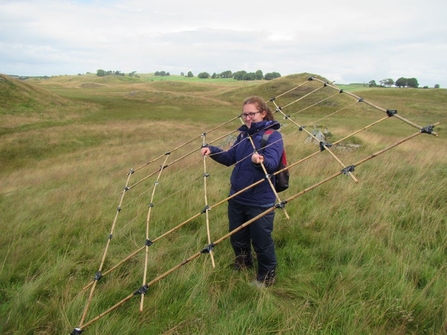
{"points": [[226, 158]]}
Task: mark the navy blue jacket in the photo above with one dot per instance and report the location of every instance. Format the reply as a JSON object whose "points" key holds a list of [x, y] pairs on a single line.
{"points": [[245, 172]]}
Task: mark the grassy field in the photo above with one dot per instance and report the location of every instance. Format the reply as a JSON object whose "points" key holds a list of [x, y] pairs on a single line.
{"points": [[80, 160]]}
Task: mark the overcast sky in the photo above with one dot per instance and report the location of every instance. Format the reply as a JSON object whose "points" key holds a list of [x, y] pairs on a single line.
{"points": [[345, 41]]}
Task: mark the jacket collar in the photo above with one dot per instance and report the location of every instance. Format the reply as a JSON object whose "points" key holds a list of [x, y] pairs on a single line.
{"points": [[257, 127]]}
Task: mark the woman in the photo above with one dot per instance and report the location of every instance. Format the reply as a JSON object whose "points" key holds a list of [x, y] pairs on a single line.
{"points": [[257, 117]]}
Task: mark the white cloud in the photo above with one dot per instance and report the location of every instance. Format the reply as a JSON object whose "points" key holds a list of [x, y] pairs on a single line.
{"points": [[344, 41]]}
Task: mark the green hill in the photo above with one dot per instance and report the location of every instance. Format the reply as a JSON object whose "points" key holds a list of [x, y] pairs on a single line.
{"points": [[24, 105]]}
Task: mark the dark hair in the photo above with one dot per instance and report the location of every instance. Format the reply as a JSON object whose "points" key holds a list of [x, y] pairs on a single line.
{"points": [[261, 106]]}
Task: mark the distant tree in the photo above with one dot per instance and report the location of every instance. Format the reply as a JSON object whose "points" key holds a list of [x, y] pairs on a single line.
{"points": [[161, 73], [372, 83], [401, 82], [249, 76], [239, 75], [190, 75], [214, 76], [244, 75], [100, 73], [203, 75], [271, 75], [182, 74], [407, 82], [259, 75], [226, 74], [131, 74], [413, 83], [387, 82], [437, 86]]}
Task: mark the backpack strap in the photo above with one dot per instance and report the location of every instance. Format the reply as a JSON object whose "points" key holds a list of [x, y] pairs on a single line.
{"points": [[266, 136]]}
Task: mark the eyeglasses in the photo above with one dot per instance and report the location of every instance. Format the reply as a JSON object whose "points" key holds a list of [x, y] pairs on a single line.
{"points": [[251, 114]]}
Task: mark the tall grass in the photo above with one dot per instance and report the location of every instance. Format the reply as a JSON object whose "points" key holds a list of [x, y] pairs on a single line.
{"points": [[354, 258]]}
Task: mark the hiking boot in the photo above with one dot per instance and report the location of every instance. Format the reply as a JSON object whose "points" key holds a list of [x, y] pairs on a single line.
{"points": [[243, 261], [267, 279]]}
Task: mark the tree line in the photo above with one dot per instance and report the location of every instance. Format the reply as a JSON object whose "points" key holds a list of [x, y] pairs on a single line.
{"points": [[241, 75], [238, 75], [103, 73], [401, 82]]}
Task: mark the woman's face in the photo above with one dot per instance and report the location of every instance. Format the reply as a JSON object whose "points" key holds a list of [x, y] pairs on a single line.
{"points": [[251, 114]]}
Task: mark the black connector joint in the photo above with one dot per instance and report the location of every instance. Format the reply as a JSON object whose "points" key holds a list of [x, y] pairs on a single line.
{"points": [[391, 112], [76, 331], [205, 209], [348, 169], [98, 275], [141, 290], [428, 129], [208, 249], [148, 243], [281, 204], [324, 146]]}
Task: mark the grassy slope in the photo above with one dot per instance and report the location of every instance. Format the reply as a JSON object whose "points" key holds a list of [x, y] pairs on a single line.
{"points": [[354, 258]]}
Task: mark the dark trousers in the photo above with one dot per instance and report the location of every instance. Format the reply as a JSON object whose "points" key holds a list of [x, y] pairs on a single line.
{"points": [[258, 234]]}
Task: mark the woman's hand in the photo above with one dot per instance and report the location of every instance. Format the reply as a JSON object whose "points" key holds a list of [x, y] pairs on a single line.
{"points": [[257, 158], [206, 151]]}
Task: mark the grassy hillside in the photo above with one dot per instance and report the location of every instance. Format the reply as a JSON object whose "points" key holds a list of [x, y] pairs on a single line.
{"points": [[354, 258]]}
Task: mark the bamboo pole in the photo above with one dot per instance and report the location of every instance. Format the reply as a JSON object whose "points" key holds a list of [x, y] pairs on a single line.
{"points": [[207, 221], [104, 253], [148, 218]]}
